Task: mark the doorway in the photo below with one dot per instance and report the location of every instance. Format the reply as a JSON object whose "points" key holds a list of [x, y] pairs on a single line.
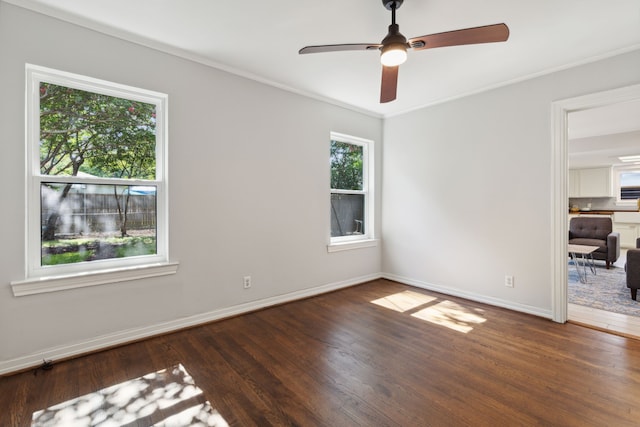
{"points": [[560, 195]]}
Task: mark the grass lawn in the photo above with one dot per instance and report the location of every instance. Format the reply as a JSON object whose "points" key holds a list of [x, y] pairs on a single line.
{"points": [[68, 251]]}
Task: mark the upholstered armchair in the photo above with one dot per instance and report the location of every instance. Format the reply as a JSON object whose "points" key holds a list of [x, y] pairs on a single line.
{"points": [[596, 231], [633, 270]]}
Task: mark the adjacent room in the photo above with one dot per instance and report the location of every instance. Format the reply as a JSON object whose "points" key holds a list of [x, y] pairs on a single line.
{"points": [[603, 191], [303, 213]]}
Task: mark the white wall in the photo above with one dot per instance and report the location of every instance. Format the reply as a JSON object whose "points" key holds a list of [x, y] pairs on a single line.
{"points": [[238, 149], [467, 188]]}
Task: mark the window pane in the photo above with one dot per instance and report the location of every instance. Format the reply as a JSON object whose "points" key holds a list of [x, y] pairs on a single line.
{"points": [[82, 222], [630, 185], [347, 214], [346, 166], [91, 133]]}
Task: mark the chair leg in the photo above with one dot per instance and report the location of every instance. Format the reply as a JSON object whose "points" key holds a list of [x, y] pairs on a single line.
{"points": [[634, 293], [608, 264]]}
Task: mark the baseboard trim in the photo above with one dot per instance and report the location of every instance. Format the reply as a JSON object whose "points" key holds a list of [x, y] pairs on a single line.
{"points": [[123, 337], [470, 296]]}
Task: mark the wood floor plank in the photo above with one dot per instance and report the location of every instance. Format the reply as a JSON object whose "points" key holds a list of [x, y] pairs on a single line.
{"points": [[377, 354]]}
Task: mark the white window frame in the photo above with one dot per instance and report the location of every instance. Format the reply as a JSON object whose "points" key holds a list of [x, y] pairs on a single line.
{"points": [[617, 171], [52, 278], [367, 239]]}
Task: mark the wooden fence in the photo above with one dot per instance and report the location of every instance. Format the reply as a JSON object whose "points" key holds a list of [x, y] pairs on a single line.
{"points": [[82, 213]]}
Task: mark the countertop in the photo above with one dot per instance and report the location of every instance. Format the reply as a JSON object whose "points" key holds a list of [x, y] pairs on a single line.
{"points": [[601, 212]]}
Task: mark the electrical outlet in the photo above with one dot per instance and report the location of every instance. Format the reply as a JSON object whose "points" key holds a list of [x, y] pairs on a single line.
{"points": [[246, 282], [508, 281]]}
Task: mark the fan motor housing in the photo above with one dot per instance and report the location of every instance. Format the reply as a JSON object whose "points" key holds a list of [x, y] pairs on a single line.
{"points": [[389, 4], [394, 37]]}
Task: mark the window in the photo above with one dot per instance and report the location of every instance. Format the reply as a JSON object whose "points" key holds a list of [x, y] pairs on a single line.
{"points": [[96, 175], [627, 185], [351, 193], [630, 185]]}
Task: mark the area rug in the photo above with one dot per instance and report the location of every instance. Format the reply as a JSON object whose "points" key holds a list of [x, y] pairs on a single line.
{"points": [[606, 290]]}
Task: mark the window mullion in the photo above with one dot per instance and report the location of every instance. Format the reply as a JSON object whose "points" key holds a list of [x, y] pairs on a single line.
{"points": [[337, 191], [97, 181]]}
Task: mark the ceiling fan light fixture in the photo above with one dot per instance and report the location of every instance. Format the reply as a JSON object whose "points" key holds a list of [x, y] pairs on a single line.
{"points": [[393, 48], [393, 54]]}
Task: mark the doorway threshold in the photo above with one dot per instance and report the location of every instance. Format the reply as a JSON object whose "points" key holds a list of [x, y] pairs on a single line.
{"points": [[614, 323]]}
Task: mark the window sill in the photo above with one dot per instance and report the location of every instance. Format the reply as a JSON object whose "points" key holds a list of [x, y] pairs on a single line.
{"points": [[347, 246], [41, 285]]}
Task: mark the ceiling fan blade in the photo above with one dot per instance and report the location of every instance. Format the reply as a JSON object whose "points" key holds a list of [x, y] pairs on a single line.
{"points": [[339, 47], [485, 34], [389, 84]]}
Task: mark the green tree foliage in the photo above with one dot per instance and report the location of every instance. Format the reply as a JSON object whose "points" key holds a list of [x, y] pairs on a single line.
{"points": [[346, 166], [97, 134]]}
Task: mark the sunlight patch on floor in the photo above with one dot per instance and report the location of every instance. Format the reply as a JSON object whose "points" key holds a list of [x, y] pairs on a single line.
{"points": [[452, 315], [404, 301], [431, 309], [165, 398]]}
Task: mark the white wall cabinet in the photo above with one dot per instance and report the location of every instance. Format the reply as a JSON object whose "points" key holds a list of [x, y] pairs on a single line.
{"points": [[593, 182], [574, 183]]}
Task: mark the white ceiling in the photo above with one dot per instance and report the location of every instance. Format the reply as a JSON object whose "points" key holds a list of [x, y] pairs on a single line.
{"points": [[611, 119], [260, 39], [598, 136]]}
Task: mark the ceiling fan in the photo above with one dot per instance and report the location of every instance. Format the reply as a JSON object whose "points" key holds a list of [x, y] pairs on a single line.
{"points": [[393, 48]]}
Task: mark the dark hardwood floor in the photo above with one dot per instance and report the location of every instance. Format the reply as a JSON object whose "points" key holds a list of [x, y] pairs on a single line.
{"points": [[377, 354]]}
